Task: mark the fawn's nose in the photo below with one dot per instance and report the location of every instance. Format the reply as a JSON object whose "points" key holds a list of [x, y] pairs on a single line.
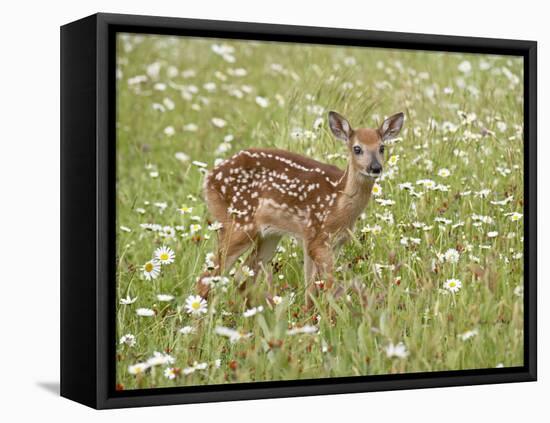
{"points": [[375, 168]]}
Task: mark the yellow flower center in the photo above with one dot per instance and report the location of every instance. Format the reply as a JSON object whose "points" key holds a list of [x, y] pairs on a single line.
{"points": [[148, 267], [195, 305], [164, 256], [452, 284]]}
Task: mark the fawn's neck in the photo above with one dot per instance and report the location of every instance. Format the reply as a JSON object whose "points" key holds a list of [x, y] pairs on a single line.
{"points": [[354, 195]]}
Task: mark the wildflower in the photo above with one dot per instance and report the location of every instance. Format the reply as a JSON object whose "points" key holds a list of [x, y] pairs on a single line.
{"points": [[376, 229], [394, 158], [169, 130], [262, 102], [452, 285], [232, 334], [277, 299], [165, 298], [468, 334], [396, 351], [483, 193], [492, 234], [518, 291], [125, 229], [196, 305], [451, 256], [253, 311], [128, 339], [194, 228], [187, 330], [171, 372], [161, 205], [128, 300], [164, 255], [514, 217], [444, 173], [151, 269], [196, 366], [465, 66], [218, 122], [138, 368], [190, 127], [248, 271], [307, 329], [160, 359], [376, 190], [216, 226], [199, 164], [185, 210], [384, 202], [145, 312]]}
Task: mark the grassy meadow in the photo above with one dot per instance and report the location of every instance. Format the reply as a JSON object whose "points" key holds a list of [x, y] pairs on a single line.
{"points": [[433, 277]]}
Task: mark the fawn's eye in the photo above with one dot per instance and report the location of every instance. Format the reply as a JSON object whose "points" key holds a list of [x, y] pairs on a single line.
{"points": [[382, 148], [357, 150]]}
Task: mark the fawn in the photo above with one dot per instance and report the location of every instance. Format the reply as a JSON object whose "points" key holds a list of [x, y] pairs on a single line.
{"points": [[259, 195]]}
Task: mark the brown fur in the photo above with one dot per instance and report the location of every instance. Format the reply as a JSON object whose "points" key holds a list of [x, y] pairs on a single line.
{"points": [[261, 194]]}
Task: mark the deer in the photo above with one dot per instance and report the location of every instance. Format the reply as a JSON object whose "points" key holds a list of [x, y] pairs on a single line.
{"points": [[260, 195]]}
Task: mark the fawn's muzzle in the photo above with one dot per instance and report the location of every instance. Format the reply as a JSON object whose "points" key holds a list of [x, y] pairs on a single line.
{"points": [[375, 168]]}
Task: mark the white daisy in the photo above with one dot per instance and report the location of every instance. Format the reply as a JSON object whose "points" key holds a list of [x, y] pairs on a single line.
{"points": [[169, 130], [196, 305], [216, 226], [452, 285], [396, 351], [468, 334], [151, 270], [218, 122], [262, 102], [444, 173], [451, 256], [194, 228], [185, 210], [307, 329], [247, 271], [232, 334], [160, 359], [165, 298], [138, 368], [128, 300], [164, 255], [376, 190], [186, 330], [182, 157], [514, 217], [145, 312], [253, 311], [128, 339], [199, 164], [171, 373], [394, 158]]}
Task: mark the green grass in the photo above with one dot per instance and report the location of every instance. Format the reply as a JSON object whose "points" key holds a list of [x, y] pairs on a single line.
{"points": [[405, 301]]}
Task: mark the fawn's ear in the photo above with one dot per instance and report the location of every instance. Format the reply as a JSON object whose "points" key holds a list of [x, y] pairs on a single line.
{"points": [[391, 126], [339, 126]]}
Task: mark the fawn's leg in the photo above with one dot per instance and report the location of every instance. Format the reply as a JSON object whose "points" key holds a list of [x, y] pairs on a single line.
{"points": [[261, 255], [321, 255], [309, 267], [231, 245]]}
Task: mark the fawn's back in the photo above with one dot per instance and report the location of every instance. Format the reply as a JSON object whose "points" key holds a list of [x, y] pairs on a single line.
{"points": [[273, 191]]}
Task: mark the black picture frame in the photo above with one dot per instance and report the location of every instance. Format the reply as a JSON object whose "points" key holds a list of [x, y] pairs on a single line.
{"points": [[88, 210]]}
